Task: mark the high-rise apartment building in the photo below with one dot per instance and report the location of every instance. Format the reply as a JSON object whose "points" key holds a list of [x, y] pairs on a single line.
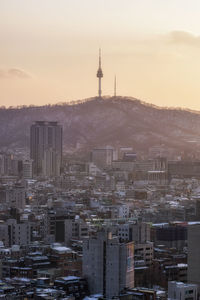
{"points": [[108, 264], [46, 148]]}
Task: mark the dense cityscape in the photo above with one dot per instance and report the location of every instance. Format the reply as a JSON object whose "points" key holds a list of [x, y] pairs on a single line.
{"points": [[99, 197], [113, 226]]}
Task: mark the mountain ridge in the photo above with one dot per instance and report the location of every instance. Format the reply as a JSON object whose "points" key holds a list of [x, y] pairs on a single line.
{"points": [[94, 122]]}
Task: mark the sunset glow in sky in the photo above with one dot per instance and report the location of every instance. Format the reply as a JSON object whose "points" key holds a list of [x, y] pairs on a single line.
{"points": [[49, 50]]}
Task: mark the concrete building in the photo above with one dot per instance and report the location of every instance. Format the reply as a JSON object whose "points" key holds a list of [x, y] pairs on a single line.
{"points": [[144, 252], [102, 158], [46, 148], [157, 177], [197, 198], [75, 229], [181, 291], [126, 166], [141, 168], [124, 150], [51, 163], [4, 233], [27, 169], [93, 170], [170, 235], [15, 197], [136, 231], [19, 233], [13, 232], [58, 226], [184, 169], [9, 166], [193, 254], [108, 264], [5, 164], [123, 211]]}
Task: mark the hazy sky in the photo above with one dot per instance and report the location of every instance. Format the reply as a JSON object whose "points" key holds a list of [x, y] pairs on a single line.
{"points": [[49, 50]]}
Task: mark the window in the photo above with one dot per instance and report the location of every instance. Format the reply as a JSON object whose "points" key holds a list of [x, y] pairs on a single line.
{"points": [[191, 291]]}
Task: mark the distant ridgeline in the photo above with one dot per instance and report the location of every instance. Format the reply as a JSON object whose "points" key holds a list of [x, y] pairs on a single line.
{"points": [[115, 121]]}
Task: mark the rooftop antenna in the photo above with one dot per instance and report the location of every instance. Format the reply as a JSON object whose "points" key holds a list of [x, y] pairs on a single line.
{"points": [[115, 86]]}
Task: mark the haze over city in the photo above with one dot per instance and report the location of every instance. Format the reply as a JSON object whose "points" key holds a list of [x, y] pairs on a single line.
{"points": [[49, 50]]}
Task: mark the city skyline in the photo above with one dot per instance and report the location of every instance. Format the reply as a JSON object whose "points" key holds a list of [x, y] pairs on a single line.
{"points": [[99, 149], [49, 51]]}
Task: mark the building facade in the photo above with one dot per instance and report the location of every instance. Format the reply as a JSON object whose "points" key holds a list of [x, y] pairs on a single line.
{"points": [[108, 264], [181, 291], [46, 148], [193, 254]]}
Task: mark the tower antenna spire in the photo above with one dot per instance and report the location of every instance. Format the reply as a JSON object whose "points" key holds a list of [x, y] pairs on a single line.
{"points": [[99, 74], [99, 57], [115, 86]]}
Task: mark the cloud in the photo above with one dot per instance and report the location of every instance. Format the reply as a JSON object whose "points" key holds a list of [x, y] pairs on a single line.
{"points": [[184, 38], [13, 73]]}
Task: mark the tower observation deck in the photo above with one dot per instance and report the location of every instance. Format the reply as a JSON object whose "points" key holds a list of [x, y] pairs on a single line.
{"points": [[99, 74]]}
